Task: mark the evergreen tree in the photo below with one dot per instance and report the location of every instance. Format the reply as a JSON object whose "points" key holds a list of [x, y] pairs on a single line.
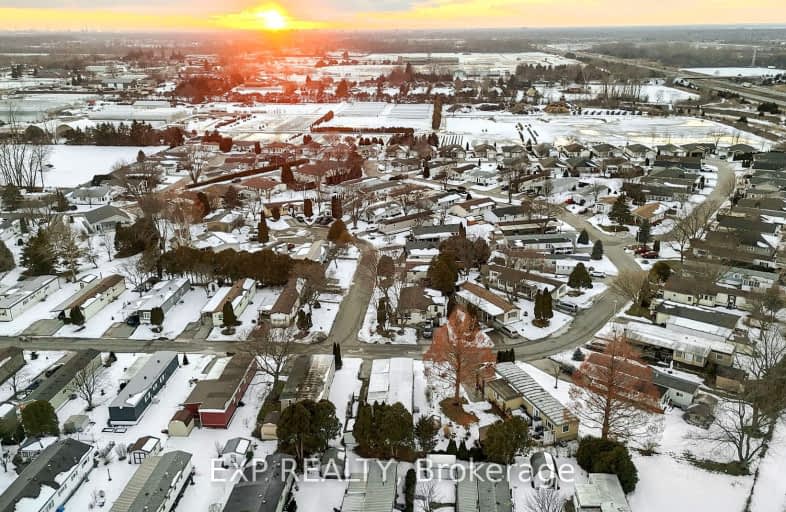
{"points": [[335, 207], [286, 175], [578, 355], [39, 419], [185, 359], [23, 226], [308, 207], [11, 197], [579, 278], [506, 439], [538, 310], [426, 434], [77, 317], [620, 211], [337, 356], [61, 203], [157, 316], [463, 452], [583, 237], [230, 319], [443, 273], [597, 250], [656, 246], [6, 258], [452, 448], [302, 321], [38, 255], [112, 358], [548, 306], [644, 234], [140, 156], [263, 231]]}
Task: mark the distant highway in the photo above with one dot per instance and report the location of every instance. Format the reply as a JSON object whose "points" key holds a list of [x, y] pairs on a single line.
{"points": [[754, 92]]}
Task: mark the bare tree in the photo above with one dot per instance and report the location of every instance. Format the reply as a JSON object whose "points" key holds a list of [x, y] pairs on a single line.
{"points": [[135, 272], [137, 179], [196, 161], [631, 284], [272, 347], [86, 381], [21, 161], [545, 500], [108, 242], [735, 427], [692, 225], [427, 492], [613, 391]]}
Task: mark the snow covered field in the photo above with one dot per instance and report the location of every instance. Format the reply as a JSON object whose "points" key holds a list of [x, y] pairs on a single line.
{"points": [[617, 130], [74, 165]]}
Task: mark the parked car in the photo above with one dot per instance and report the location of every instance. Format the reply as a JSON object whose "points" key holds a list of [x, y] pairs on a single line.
{"points": [[507, 331], [568, 307], [427, 331], [597, 273]]}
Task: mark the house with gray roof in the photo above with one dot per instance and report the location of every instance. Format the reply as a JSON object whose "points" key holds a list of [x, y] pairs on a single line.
{"points": [[50, 479], [541, 407], [264, 491], [17, 298], [310, 379], [157, 484], [675, 389], [133, 399], [484, 494], [372, 491], [105, 218], [603, 492], [58, 386]]}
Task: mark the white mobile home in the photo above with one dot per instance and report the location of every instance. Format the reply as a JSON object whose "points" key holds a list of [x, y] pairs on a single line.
{"points": [[17, 298]]}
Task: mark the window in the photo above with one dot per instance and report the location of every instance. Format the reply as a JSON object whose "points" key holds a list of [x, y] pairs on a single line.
{"points": [[565, 428]]}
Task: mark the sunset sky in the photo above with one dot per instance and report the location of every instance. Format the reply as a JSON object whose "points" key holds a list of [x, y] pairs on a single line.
{"points": [[376, 14]]}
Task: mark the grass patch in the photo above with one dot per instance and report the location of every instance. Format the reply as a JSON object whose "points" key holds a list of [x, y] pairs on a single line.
{"points": [[727, 468], [456, 413]]}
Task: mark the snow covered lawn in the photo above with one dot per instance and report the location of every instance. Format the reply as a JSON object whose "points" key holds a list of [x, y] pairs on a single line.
{"points": [[74, 165]]}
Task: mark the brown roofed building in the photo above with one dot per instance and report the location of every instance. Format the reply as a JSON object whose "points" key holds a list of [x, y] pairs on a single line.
{"points": [[214, 400]]}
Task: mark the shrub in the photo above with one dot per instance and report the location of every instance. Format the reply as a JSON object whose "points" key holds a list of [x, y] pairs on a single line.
{"points": [[607, 456]]}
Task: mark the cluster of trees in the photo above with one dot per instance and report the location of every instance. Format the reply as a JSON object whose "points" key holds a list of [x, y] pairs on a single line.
{"points": [[384, 430], [54, 246], [544, 310], [266, 267], [506, 356], [305, 428], [199, 88], [456, 254], [108, 134]]}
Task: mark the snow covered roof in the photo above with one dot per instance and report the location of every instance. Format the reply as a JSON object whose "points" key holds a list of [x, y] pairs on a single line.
{"points": [[391, 381], [136, 388], [39, 480], [533, 392]]}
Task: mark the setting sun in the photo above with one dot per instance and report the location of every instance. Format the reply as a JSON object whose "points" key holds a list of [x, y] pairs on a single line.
{"points": [[272, 19]]}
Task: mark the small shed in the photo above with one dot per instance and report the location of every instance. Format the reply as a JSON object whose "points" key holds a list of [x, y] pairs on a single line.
{"points": [[702, 412], [76, 423], [234, 453], [181, 424], [269, 428], [144, 446]]}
